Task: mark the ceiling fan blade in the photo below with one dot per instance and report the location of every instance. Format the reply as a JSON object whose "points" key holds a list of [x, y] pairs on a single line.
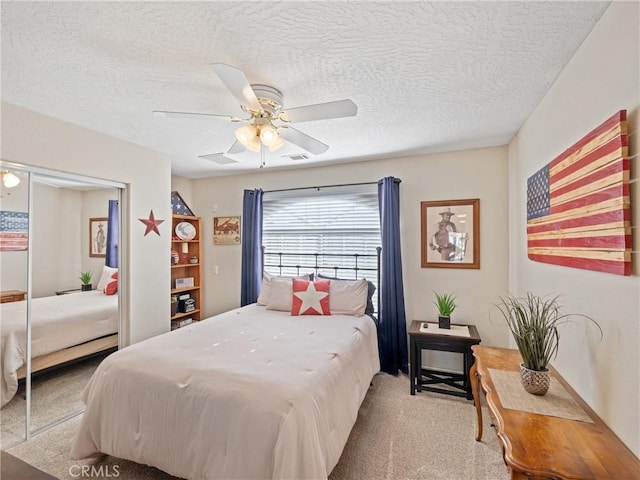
{"points": [[237, 147], [237, 83], [219, 158], [302, 140], [320, 111], [164, 113]]}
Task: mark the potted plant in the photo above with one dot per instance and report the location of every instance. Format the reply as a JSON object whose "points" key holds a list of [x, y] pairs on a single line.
{"points": [[85, 278], [533, 322], [446, 305]]}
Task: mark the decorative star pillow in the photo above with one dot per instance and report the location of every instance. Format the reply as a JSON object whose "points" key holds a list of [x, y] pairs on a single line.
{"points": [[112, 287], [310, 298]]}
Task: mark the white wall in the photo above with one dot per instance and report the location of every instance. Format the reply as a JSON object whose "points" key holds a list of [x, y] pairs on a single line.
{"points": [[56, 240], [478, 173], [602, 78], [36, 140], [184, 187]]}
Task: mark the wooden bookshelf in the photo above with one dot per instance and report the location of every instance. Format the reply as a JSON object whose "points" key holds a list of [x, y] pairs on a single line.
{"points": [[185, 269]]}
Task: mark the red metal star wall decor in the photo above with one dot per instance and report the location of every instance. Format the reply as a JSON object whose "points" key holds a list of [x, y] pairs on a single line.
{"points": [[151, 223]]}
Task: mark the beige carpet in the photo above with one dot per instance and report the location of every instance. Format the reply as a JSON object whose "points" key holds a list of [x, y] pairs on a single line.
{"points": [[54, 396], [397, 436]]}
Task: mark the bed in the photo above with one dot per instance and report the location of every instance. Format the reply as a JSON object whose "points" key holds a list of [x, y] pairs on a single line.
{"points": [[63, 328], [250, 393]]}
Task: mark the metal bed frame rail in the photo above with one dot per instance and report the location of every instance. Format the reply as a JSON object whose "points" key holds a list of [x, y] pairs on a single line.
{"points": [[315, 263]]}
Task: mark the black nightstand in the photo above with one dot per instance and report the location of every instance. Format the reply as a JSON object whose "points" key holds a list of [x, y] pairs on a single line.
{"points": [[423, 378]]}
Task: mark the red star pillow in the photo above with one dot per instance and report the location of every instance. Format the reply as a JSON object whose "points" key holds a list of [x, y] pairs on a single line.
{"points": [[112, 286], [310, 298]]}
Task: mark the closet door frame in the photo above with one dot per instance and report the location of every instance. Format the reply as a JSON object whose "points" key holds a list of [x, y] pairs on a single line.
{"points": [[122, 296]]}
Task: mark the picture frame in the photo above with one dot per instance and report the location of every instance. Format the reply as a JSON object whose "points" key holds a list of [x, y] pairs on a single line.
{"points": [[226, 230], [450, 233], [98, 237]]}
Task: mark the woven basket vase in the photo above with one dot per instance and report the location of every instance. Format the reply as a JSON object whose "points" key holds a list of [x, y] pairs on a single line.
{"points": [[533, 381]]}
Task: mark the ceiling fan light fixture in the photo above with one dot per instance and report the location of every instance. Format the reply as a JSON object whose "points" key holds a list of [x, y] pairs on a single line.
{"points": [[268, 135], [9, 179], [254, 144], [247, 134], [276, 145]]}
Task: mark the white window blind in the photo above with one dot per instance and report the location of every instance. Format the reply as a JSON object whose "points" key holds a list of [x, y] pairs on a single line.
{"points": [[336, 222]]}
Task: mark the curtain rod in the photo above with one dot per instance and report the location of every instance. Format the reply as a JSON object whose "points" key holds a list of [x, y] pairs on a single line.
{"points": [[321, 186]]}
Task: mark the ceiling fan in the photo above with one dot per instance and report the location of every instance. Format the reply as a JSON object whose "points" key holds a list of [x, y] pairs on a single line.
{"points": [[267, 124]]}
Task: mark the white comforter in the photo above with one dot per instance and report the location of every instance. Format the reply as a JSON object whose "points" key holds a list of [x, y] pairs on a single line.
{"points": [[250, 393], [57, 322]]}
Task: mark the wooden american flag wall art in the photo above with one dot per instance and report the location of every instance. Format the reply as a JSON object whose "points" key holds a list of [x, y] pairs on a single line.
{"points": [[578, 208]]}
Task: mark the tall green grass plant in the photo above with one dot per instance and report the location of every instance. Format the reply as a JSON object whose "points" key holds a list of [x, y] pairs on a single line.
{"points": [[534, 321]]}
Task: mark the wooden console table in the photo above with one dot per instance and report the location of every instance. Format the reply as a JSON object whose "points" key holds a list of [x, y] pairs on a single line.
{"points": [[539, 446]]}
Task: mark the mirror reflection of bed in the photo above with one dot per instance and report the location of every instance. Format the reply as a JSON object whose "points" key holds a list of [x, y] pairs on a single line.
{"points": [[72, 330]]}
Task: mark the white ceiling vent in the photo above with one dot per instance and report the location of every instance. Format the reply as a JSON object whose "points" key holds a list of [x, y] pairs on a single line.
{"points": [[219, 158], [297, 156]]}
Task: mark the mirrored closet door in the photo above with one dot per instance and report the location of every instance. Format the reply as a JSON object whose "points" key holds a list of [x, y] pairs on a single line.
{"points": [[14, 269], [72, 302]]}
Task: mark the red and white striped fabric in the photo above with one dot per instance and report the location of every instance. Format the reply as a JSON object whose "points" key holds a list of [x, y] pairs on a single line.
{"points": [[578, 205], [14, 231]]}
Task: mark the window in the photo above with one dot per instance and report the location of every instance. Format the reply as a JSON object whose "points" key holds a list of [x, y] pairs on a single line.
{"points": [[329, 221]]}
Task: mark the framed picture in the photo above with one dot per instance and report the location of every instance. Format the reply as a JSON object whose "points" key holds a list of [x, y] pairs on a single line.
{"points": [[98, 237], [226, 230], [450, 233]]}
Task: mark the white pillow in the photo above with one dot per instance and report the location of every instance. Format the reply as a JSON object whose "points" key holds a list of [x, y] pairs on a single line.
{"points": [[265, 288], [348, 297], [106, 277], [281, 296]]}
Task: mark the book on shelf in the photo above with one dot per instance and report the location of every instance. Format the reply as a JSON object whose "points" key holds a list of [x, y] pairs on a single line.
{"points": [[182, 322]]}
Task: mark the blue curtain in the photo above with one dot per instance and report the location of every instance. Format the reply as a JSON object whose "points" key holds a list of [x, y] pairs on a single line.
{"points": [[111, 259], [392, 329], [251, 246]]}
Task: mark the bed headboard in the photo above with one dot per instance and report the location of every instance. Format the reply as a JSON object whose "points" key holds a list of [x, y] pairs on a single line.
{"points": [[347, 266]]}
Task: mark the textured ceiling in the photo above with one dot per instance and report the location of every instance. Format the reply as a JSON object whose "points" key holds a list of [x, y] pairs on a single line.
{"points": [[426, 76]]}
